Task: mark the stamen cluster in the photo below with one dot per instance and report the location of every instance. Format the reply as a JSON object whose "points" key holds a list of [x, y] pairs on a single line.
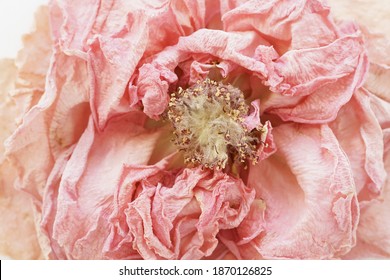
{"points": [[208, 121]]}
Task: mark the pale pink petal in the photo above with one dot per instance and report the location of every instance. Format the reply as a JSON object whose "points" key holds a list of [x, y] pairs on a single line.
{"points": [[191, 15], [18, 238], [181, 219], [374, 227], [243, 241], [152, 90], [227, 5], [326, 86], [21, 85], [381, 109], [156, 77], [305, 34], [113, 45], [253, 119], [310, 201], [297, 24], [33, 61], [8, 109], [112, 60], [360, 135], [374, 22], [378, 81], [52, 126], [83, 190], [372, 17]]}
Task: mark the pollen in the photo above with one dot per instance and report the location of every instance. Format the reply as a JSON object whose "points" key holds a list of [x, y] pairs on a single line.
{"points": [[208, 122]]}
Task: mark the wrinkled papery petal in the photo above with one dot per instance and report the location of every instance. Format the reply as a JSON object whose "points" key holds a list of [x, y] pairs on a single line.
{"points": [[16, 214], [366, 14], [51, 126], [114, 38], [301, 24], [155, 78], [372, 16], [167, 216], [316, 189], [325, 86], [360, 135], [106, 183], [21, 85], [32, 62], [376, 216], [374, 230], [82, 188], [8, 107], [181, 221]]}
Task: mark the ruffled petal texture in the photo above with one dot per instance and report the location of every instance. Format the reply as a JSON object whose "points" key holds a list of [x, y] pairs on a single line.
{"points": [[97, 177], [83, 189], [182, 221], [21, 85], [373, 232], [316, 189], [360, 135], [16, 212]]}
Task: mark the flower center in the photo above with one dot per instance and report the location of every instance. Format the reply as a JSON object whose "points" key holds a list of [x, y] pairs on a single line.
{"points": [[208, 121]]}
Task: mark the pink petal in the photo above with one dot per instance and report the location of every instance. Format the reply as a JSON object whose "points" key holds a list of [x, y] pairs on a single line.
{"points": [[156, 77], [374, 228], [21, 85], [111, 41], [309, 194], [8, 109], [283, 22], [32, 62], [326, 86], [181, 221], [242, 241], [152, 91], [372, 17], [18, 238], [378, 81], [360, 135], [112, 61], [52, 126], [253, 119], [78, 222]]}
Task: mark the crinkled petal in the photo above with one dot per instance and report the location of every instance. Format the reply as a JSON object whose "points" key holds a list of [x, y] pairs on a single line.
{"points": [[78, 222], [378, 81], [182, 220], [324, 87], [253, 119], [18, 237], [112, 61], [372, 17], [311, 211], [51, 126], [360, 135], [32, 62], [237, 48], [115, 36], [374, 227], [295, 24]]}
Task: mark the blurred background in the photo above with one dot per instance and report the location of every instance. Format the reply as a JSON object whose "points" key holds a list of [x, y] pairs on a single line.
{"points": [[16, 19]]}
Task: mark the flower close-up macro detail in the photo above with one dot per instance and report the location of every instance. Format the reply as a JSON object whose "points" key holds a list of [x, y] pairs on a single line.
{"points": [[181, 129]]}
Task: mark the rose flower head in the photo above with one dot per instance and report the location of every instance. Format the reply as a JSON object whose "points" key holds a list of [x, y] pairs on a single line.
{"points": [[178, 129]]}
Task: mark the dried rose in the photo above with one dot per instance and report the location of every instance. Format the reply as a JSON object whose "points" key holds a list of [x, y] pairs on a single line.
{"points": [[125, 77]]}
